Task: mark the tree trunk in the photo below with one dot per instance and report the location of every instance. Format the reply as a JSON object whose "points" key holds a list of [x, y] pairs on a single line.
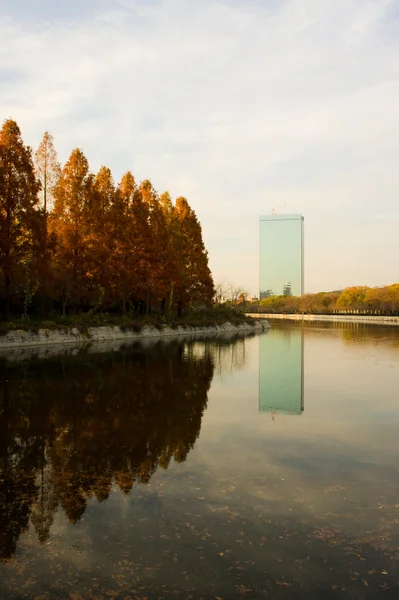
{"points": [[64, 303], [147, 304], [7, 293]]}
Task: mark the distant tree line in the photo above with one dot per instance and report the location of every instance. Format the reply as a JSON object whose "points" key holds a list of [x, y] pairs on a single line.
{"points": [[362, 299], [71, 240]]}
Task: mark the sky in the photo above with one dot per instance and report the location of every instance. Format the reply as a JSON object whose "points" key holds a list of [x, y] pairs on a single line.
{"points": [[241, 106]]}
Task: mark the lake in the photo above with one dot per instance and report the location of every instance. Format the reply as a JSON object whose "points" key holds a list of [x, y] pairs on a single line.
{"points": [[250, 467]]}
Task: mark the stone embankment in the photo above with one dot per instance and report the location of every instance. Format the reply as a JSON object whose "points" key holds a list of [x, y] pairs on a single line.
{"points": [[75, 336], [366, 319]]}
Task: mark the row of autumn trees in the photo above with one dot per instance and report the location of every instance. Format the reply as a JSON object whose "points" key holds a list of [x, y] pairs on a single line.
{"points": [[72, 240], [363, 299]]}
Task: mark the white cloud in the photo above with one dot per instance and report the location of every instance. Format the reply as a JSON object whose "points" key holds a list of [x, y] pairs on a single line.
{"points": [[239, 105]]}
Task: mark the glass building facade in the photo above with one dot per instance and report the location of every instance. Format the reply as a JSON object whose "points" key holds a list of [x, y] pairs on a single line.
{"points": [[281, 371], [281, 255]]}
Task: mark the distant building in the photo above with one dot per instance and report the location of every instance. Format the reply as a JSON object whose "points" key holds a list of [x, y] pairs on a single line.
{"points": [[281, 255]]}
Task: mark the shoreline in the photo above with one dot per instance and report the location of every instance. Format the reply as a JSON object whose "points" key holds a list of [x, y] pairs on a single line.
{"points": [[22, 353], [66, 336], [365, 319]]}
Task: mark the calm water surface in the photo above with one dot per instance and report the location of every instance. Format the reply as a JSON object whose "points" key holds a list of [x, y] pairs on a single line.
{"points": [[259, 467]]}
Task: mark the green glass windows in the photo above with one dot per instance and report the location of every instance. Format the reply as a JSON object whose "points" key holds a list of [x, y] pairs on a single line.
{"points": [[280, 255]]}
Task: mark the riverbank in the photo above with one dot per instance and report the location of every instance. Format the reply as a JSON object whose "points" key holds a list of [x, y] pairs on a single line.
{"points": [[365, 319], [73, 335], [22, 353]]}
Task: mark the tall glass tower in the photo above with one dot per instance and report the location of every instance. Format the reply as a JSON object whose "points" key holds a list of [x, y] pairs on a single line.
{"points": [[281, 255]]}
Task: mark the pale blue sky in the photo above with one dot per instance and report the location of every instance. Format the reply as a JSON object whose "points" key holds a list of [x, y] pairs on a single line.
{"points": [[240, 105]]}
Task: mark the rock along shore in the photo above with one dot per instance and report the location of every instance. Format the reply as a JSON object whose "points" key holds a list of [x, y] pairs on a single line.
{"points": [[50, 337]]}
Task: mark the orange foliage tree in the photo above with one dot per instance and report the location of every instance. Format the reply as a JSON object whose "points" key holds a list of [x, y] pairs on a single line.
{"points": [[19, 219], [195, 282], [48, 172], [70, 220]]}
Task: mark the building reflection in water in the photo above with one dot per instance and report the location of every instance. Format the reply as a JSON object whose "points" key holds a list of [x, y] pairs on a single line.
{"points": [[281, 371]]}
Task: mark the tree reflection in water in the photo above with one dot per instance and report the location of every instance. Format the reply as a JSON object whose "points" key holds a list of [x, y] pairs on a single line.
{"points": [[73, 427]]}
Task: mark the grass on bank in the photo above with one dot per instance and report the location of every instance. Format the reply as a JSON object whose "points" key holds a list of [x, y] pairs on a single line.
{"points": [[204, 317]]}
